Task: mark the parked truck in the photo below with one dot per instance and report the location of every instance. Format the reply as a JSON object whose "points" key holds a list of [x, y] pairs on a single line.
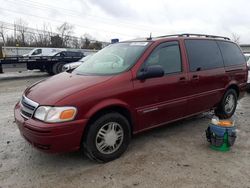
{"points": [[50, 62]]}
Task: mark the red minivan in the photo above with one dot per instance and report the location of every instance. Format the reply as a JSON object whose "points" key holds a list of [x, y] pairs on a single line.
{"points": [[129, 87]]}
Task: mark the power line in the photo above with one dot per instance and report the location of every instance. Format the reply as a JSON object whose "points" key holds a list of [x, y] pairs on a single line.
{"points": [[79, 15], [40, 17]]}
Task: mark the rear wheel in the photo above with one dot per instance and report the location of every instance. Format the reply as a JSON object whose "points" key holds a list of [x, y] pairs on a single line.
{"points": [[49, 70], [227, 106], [41, 70], [107, 138]]}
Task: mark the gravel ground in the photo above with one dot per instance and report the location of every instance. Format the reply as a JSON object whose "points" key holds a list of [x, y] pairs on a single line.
{"points": [[176, 155]]}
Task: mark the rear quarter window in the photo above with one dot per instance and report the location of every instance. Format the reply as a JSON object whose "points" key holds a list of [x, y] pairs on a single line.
{"points": [[231, 53], [203, 54]]}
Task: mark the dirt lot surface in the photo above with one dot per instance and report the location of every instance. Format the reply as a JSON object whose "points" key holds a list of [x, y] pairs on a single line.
{"points": [[176, 155]]}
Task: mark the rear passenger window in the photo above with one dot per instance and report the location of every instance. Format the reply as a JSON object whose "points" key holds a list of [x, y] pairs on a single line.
{"points": [[168, 56], [231, 53], [203, 54]]}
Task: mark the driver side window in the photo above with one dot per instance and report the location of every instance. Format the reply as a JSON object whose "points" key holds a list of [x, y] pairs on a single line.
{"points": [[36, 52], [168, 56]]}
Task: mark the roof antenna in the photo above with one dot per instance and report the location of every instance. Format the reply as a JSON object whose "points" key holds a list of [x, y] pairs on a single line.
{"points": [[150, 36]]}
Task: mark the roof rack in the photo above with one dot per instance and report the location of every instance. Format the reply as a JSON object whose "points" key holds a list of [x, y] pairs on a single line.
{"points": [[195, 35]]}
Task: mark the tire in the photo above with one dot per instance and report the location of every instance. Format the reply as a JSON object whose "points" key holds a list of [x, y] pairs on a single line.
{"points": [[42, 70], [57, 68], [50, 72], [226, 108], [248, 88], [98, 147]]}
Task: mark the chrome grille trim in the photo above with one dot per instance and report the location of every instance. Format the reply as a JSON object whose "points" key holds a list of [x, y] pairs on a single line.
{"points": [[28, 107]]}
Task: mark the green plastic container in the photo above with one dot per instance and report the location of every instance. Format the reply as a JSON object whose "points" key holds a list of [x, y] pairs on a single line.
{"points": [[224, 147]]}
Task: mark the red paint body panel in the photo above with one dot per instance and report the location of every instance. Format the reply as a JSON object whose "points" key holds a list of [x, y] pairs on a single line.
{"points": [[53, 138], [56, 88], [150, 102]]}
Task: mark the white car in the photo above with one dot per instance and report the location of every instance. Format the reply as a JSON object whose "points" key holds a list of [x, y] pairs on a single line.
{"points": [[37, 52], [247, 56], [73, 65]]}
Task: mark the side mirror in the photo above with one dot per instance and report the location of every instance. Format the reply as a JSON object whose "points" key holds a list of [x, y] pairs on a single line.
{"points": [[152, 71], [69, 67], [66, 68]]}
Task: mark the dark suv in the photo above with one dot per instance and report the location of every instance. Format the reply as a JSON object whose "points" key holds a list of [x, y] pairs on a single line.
{"points": [[130, 87]]}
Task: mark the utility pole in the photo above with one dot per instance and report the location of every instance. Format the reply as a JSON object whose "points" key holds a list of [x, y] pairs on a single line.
{"points": [[15, 32], [1, 68], [15, 38]]}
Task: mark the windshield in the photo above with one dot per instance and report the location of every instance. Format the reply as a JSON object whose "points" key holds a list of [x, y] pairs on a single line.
{"points": [[113, 59], [86, 58]]}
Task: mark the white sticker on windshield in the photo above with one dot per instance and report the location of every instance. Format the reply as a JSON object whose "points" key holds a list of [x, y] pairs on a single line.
{"points": [[138, 43]]}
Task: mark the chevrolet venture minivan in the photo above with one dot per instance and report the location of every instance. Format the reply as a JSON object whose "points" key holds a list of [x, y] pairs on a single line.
{"points": [[130, 87]]}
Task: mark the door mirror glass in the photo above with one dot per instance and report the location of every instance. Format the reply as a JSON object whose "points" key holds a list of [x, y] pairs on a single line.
{"points": [[151, 71]]}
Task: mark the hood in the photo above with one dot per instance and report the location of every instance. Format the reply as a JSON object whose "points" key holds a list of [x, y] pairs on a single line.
{"points": [[53, 89]]}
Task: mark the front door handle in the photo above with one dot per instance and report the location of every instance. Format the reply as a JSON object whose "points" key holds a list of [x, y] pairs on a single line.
{"points": [[195, 77], [183, 79]]}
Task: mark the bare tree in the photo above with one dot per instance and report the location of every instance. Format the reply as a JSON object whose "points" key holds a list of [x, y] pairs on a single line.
{"points": [[2, 34], [65, 31], [56, 41], [10, 40], [236, 38], [85, 42], [46, 35], [31, 39], [96, 45], [75, 42], [21, 27]]}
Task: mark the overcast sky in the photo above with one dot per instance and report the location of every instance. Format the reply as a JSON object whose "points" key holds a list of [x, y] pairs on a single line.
{"points": [[127, 19]]}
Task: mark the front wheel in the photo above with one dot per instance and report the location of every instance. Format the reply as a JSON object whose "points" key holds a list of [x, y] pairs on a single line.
{"points": [[227, 106], [107, 138], [248, 87]]}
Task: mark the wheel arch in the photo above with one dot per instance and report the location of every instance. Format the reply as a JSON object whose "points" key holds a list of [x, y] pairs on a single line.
{"points": [[102, 109], [235, 87]]}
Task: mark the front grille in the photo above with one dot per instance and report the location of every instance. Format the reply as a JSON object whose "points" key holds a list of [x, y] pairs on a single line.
{"points": [[28, 107]]}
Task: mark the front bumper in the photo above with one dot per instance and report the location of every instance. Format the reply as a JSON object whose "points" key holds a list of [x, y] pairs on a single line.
{"points": [[51, 137], [248, 78], [248, 82], [248, 87]]}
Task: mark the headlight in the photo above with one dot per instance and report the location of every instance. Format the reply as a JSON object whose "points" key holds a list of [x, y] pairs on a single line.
{"points": [[55, 114], [248, 64]]}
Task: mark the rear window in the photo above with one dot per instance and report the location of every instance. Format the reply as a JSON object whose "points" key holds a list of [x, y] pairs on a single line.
{"points": [[203, 54], [231, 53]]}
